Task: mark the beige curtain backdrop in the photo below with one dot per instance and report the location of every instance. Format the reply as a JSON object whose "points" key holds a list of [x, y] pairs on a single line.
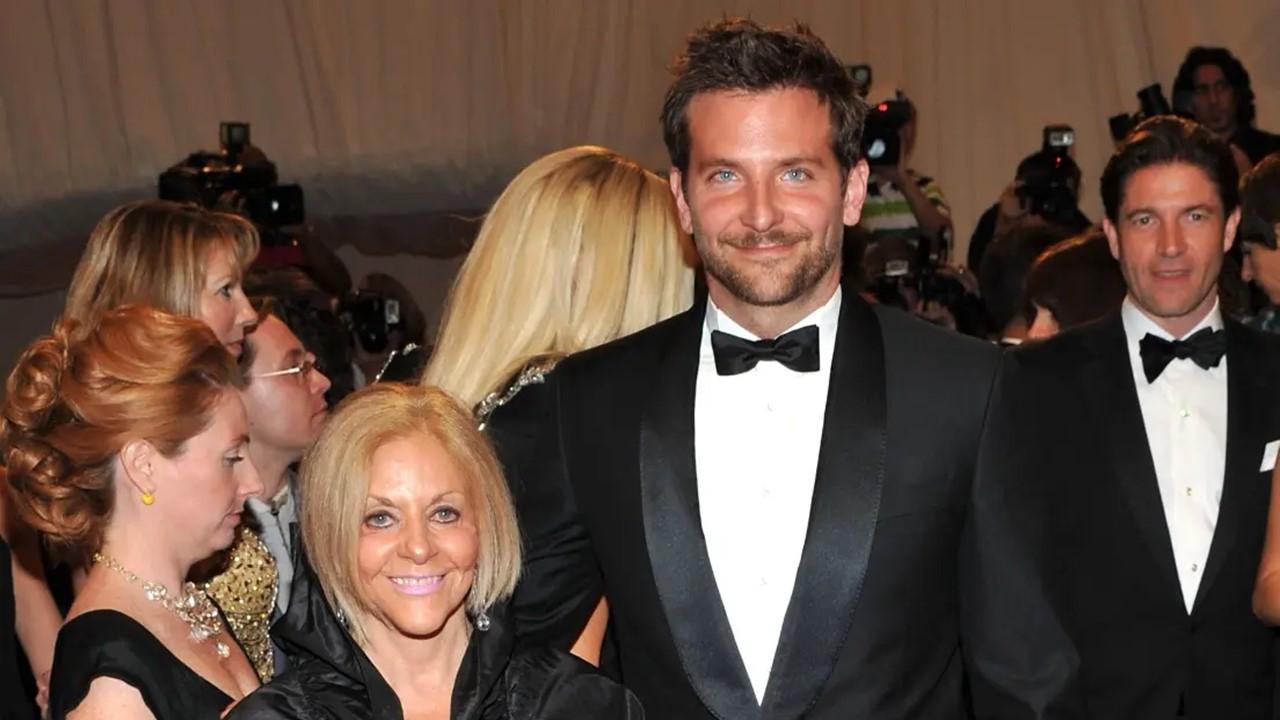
{"points": [[395, 114]]}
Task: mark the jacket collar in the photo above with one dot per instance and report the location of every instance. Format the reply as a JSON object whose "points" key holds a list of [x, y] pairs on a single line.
{"points": [[312, 635]]}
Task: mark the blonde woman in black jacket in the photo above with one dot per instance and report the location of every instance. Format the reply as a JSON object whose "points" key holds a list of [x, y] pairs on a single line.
{"points": [[413, 548]]}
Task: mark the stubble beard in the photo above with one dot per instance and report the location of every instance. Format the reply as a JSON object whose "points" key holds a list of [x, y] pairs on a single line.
{"points": [[769, 284]]}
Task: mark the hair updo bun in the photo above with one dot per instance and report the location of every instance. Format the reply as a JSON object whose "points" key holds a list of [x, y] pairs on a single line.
{"points": [[72, 404]]}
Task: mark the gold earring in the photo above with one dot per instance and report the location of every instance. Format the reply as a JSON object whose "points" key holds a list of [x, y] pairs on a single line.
{"points": [[148, 498]]}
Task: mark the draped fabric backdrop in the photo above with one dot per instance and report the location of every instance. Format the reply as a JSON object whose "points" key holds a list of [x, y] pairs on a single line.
{"points": [[399, 115]]}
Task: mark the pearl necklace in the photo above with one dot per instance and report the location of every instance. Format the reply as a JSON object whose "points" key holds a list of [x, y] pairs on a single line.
{"points": [[193, 605]]}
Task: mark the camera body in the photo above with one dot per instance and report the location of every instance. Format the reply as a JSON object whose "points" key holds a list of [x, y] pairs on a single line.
{"points": [[371, 317], [881, 136], [1046, 188], [206, 178], [1152, 102]]}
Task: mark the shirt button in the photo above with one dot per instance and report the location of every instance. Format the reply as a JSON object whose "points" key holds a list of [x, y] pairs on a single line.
{"points": [[1195, 567], [764, 582], [1185, 413], [1188, 492]]}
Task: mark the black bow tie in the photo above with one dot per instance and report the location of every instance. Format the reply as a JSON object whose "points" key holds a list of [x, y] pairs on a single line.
{"points": [[1205, 348], [797, 350]]}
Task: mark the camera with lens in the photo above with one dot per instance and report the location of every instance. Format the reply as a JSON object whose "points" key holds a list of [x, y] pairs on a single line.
{"points": [[881, 136], [371, 318], [237, 173], [1047, 187], [1152, 102], [907, 276]]}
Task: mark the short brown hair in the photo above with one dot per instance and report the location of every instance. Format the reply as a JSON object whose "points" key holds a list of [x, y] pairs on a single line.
{"points": [[1260, 203], [740, 54], [154, 252], [72, 404], [335, 484], [1078, 280]]}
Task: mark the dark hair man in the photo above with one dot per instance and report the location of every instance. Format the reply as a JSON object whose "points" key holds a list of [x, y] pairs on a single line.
{"points": [[773, 489], [1259, 223], [1214, 87], [1136, 443]]}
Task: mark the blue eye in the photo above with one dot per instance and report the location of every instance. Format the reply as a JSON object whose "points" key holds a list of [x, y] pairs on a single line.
{"points": [[378, 520], [722, 175], [445, 514], [795, 174]]}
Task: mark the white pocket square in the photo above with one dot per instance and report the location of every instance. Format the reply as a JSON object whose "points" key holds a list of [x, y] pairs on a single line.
{"points": [[1269, 456]]}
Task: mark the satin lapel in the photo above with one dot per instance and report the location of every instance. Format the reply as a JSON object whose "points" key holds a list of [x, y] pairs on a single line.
{"points": [[1108, 380], [1246, 395], [842, 518], [673, 531]]}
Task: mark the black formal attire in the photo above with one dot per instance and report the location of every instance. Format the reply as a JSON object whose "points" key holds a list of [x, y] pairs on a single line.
{"points": [[902, 557], [107, 643], [331, 678], [14, 706], [1071, 436], [1255, 143]]}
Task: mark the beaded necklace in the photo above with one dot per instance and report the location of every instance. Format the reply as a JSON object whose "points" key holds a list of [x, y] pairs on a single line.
{"points": [[193, 605]]}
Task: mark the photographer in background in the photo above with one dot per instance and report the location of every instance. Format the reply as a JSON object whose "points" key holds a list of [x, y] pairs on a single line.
{"points": [[1213, 87], [901, 201], [904, 276], [1045, 191]]}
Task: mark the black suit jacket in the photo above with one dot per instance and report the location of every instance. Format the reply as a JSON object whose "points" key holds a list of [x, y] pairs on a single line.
{"points": [[1073, 437], [904, 557]]}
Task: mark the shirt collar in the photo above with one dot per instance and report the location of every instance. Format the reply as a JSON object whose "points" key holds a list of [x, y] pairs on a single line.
{"points": [[1137, 324], [827, 318]]}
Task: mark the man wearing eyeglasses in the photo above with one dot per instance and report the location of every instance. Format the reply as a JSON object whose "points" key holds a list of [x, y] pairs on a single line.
{"points": [[284, 399]]}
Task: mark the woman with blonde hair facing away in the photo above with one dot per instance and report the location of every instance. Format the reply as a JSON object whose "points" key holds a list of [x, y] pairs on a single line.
{"points": [[179, 258], [412, 537], [124, 446], [583, 247]]}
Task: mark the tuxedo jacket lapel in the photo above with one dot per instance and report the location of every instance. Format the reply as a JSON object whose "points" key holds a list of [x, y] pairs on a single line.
{"points": [[842, 518], [1110, 389], [677, 550], [1247, 396]]}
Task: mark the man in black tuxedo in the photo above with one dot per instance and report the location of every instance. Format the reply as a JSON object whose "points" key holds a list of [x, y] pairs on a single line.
{"points": [[774, 490], [1145, 447]]}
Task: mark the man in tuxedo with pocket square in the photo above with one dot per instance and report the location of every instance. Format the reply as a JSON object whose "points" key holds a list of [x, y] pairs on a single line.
{"points": [[1143, 436], [775, 490]]}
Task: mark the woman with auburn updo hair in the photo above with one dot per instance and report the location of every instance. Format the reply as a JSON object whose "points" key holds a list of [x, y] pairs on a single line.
{"points": [[581, 248], [124, 445], [413, 546], [183, 259], [179, 258]]}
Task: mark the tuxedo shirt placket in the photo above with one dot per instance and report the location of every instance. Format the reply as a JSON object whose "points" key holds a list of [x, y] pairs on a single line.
{"points": [[1184, 411], [757, 437]]}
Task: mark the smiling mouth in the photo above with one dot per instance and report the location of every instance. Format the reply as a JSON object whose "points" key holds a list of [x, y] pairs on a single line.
{"points": [[417, 584]]}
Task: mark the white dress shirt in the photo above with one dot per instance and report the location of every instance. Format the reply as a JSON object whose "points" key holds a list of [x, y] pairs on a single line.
{"points": [[757, 436], [1185, 414]]}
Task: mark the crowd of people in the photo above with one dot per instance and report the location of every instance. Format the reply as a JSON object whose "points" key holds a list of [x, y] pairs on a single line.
{"points": [[684, 447]]}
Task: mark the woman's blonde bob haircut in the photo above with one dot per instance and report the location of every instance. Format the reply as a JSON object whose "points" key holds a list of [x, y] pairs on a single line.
{"points": [[335, 486], [154, 252], [581, 248]]}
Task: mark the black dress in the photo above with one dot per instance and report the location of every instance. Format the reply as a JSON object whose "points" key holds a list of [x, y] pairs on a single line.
{"points": [[13, 698], [107, 643]]}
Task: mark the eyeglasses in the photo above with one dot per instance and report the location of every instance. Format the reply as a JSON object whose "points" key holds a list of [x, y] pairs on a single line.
{"points": [[302, 370]]}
